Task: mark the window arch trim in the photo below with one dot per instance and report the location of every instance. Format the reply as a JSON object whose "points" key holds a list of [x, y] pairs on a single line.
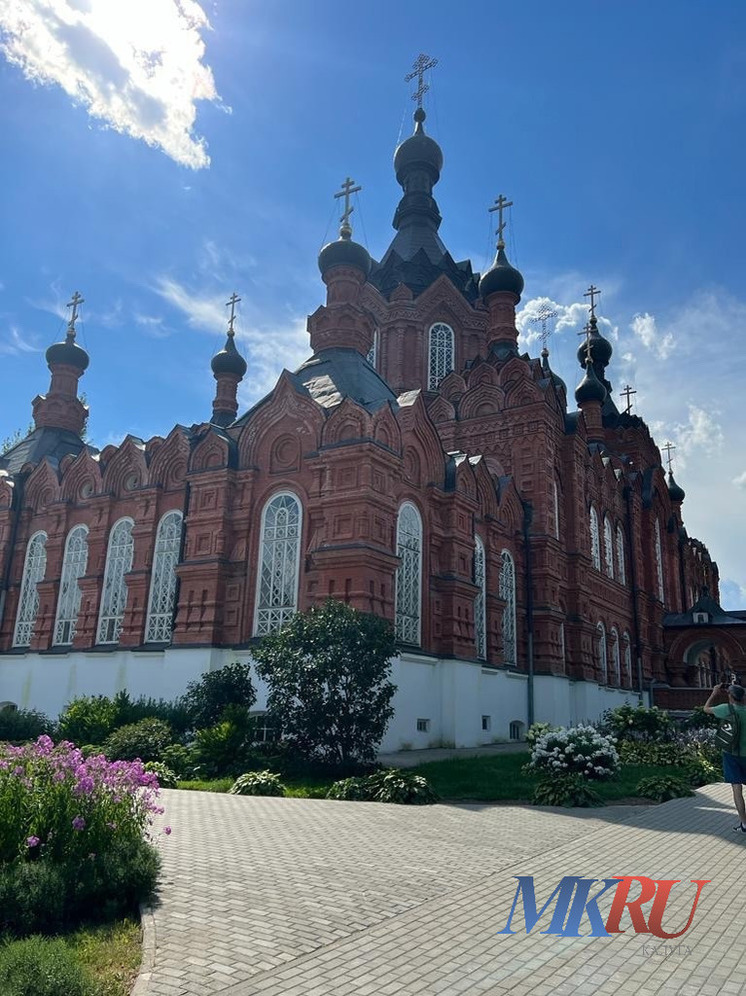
{"points": [[595, 538]]}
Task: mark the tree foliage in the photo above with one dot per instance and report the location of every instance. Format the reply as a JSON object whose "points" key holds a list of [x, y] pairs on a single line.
{"points": [[328, 674], [209, 697]]}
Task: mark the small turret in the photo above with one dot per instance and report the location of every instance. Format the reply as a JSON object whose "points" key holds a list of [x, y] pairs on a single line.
{"points": [[228, 368], [61, 408]]}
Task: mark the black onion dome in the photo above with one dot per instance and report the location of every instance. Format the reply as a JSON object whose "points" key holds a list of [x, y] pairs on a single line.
{"points": [[590, 388], [675, 493], [419, 151], [68, 353], [501, 276], [229, 360], [601, 349], [344, 252]]}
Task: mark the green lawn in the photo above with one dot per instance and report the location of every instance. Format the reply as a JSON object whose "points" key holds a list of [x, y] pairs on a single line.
{"points": [[499, 779]]}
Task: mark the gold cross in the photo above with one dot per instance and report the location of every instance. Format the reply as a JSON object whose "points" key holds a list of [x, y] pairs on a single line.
{"points": [[627, 395], [348, 187], [543, 317], [669, 448], [419, 67], [76, 300], [500, 204], [234, 299], [592, 293]]}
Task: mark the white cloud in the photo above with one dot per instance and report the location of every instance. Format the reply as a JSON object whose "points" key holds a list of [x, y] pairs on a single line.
{"points": [[136, 65], [740, 481], [700, 431], [646, 330], [14, 343]]}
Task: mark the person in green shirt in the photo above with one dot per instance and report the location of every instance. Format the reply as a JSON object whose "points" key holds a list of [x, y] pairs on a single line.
{"points": [[734, 765]]}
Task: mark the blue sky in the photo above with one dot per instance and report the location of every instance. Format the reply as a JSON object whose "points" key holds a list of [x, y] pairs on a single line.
{"points": [[159, 154]]}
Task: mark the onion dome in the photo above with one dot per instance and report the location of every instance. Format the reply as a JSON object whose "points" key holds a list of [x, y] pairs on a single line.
{"points": [[675, 493], [590, 388], [344, 252], [68, 353], [229, 360], [501, 277], [601, 349], [419, 151]]}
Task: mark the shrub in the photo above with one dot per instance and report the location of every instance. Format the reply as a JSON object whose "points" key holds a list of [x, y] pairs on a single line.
{"points": [[328, 673], [402, 787], [71, 836], [40, 966], [576, 750], [23, 724], [566, 790], [699, 719], [224, 748], [180, 760], [663, 787], [537, 730], [693, 747], [88, 719], [257, 783], [638, 723], [355, 789], [699, 771], [145, 740], [167, 779], [129, 711], [207, 699]]}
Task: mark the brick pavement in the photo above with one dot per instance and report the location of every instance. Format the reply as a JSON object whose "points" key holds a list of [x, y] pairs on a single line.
{"points": [[294, 897]]}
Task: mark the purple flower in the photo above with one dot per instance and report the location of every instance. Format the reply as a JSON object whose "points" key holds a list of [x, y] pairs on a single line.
{"points": [[167, 831], [78, 823], [32, 841], [18, 770]]}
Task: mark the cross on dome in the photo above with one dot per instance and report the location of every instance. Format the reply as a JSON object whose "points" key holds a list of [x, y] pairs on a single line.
{"points": [[627, 395], [500, 204], [76, 300], [593, 293], [234, 299], [348, 188], [669, 448], [419, 67]]}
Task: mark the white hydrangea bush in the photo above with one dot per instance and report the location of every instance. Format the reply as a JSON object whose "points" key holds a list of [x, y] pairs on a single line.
{"points": [[578, 750]]}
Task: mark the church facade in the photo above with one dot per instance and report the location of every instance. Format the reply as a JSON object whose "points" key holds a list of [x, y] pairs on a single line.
{"points": [[525, 543]]}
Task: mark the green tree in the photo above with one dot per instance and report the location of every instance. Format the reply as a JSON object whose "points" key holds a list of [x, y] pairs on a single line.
{"points": [[328, 674], [208, 698]]}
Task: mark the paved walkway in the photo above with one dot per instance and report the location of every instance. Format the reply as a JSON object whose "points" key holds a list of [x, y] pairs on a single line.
{"points": [[286, 897]]}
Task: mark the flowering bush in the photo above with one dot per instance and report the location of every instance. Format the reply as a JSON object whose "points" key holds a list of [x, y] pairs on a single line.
{"points": [[537, 730], [637, 723], [72, 830], [578, 750]]}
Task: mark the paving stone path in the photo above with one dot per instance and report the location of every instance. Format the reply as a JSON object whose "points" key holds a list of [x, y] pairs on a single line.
{"points": [[296, 897]]}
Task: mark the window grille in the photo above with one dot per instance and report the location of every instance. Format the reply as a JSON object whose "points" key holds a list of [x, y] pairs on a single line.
{"points": [[563, 651], [616, 667], [516, 729], [603, 664], [507, 593], [480, 602], [162, 602], [423, 725], [595, 541], [74, 565], [621, 567], [279, 563], [659, 561], [555, 490], [409, 575], [608, 548], [34, 569], [114, 596], [372, 356], [627, 660], [440, 354]]}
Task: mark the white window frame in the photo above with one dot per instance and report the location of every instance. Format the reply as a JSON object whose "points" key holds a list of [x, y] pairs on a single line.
{"points": [[119, 554], [480, 602], [162, 597], [279, 555], [440, 354], [34, 569], [621, 563], [595, 539], [74, 565], [408, 599], [507, 594], [608, 548], [601, 652]]}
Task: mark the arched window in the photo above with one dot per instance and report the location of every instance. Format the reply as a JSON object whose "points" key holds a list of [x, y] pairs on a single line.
{"points": [[627, 660], [74, 565], [162, 601], [34, 569], [372, 356], [616, 666], [555, 495], [659, 561], [480, 602], [507, 593], [114, 596], [601, 653], [408, 574], [595, 541], [279, 563], [608, 548], [563, 647], [621, 568], [440, 354]]}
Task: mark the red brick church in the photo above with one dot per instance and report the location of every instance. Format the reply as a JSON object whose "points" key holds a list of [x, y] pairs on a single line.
{"points": [[523, 539]]}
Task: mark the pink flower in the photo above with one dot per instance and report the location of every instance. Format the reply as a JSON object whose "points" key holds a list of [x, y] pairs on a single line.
{"points": [[33, 841]]}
